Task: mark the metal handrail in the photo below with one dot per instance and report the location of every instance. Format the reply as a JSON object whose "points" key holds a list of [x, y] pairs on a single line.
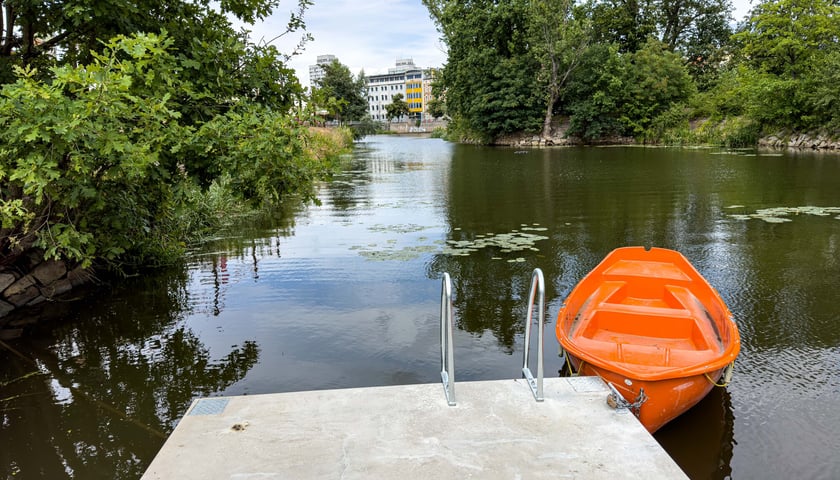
{"points": [[447, 355], [537, 285]]}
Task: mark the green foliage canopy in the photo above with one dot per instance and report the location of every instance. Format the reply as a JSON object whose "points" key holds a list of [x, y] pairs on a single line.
{"points": [[625, 67], [397, 108], [491, 77], [782, 37], [341, 93], [788, 54], [96, 161], [33, 33]]}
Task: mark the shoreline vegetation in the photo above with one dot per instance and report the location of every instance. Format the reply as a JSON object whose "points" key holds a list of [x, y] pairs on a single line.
{"points": [[132, 133], [34, 280], [118, 165], [665, 72]]}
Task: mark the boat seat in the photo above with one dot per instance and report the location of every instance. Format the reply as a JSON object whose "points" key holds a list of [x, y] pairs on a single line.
{"points": [[703, 318], [646, 269], [645, 325], [656, 355]]}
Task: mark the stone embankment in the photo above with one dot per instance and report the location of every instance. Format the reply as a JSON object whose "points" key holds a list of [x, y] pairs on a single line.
{"points": [[557, 139], [796, 141], [801, 141], [33, 281], [412, 127], [780, 140]]}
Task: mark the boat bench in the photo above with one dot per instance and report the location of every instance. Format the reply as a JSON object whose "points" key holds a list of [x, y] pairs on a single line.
{"points": [[672, 330]]}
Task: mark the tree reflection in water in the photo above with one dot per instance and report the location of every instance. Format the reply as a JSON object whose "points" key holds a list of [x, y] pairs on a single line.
{"points": [[490, 295], [113, 385]]}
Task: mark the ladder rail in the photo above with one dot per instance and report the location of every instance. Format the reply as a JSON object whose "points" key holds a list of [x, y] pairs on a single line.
{"points": [[447, 353], [538, 293]]}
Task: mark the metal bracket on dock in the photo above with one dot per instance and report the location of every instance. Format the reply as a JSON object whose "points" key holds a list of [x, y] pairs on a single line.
{"points": [[447, 354], [537, 287]]}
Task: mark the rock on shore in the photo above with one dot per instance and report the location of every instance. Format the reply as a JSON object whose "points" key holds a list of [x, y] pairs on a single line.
{"points": [[32, 281], [802, 141]]}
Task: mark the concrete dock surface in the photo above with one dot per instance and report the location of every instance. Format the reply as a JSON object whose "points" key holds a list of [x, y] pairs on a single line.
{"points": [[496, 431]]}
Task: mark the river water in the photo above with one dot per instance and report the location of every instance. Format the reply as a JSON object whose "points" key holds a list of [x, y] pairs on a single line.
{"points": [[346, 294]]}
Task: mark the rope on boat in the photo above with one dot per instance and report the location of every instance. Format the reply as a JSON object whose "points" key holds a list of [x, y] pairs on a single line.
{"points": [[727, 376], [572, 372]]}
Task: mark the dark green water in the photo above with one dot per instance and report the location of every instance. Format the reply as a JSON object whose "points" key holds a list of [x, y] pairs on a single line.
{"points": [[346, 294]]}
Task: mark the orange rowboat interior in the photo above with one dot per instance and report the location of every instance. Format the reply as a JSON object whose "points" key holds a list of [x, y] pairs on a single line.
{"points": [[650, 325]]}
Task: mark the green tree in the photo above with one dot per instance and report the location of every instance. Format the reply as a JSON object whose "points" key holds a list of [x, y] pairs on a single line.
{"points": [[87, 153], [220, 65], [625, 23], [561, 39], [708, 50], [32, 32], [683, 25], [595, 94], [822, 92], [96, 161], [787, 49], [656, 79], [348, 92], [782, 37], [491, 77], [681, 22], [397, 108], [437, 108], [614, 94]]}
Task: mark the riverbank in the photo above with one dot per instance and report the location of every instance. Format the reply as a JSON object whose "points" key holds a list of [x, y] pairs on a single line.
{"points": [[801, 141], [33, 281], [779, 139]]}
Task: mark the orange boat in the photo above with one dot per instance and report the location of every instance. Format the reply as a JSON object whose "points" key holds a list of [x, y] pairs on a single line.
{"points": [[647, 323]]}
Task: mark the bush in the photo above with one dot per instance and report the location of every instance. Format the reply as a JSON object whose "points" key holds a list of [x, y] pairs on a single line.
{"points": [[83, 158], [671, 127], [97, 164]]}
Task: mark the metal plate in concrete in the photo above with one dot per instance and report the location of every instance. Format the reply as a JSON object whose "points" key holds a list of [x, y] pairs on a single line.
{"points": [[208, 406]]}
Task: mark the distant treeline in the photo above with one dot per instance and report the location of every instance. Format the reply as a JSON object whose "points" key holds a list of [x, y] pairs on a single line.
{"points": [[672, 71]]}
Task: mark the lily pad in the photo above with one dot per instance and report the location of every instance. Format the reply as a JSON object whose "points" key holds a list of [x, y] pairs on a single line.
{"points": [[780, 214], [775, 219]]}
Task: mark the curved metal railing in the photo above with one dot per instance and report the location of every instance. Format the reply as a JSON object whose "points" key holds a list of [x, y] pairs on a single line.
{"points": [[537, 288], [447, 354]]}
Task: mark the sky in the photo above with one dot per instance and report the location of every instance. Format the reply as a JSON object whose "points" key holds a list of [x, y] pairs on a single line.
{"points": [[368, 35]]}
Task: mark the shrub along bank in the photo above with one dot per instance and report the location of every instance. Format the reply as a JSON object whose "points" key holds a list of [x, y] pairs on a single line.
{"points": [[111, 165]]}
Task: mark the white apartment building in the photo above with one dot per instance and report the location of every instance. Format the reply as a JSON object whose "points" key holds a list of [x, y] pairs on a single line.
{"points": [[316, 72], [406, 79]]}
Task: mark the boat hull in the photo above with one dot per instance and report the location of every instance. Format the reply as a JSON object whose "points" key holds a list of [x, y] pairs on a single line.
{"points": [[665, 399], [645, 319]]}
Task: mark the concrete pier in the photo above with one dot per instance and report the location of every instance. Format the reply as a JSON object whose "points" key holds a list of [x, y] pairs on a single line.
{"points": [[496, 431]]}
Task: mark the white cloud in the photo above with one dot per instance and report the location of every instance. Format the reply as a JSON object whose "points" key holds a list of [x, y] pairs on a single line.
{"points": [[367, 35], [741, 9]]}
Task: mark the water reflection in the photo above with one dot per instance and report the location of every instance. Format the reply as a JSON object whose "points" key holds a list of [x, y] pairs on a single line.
{"points": [[100, 396], [711, 427]]}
